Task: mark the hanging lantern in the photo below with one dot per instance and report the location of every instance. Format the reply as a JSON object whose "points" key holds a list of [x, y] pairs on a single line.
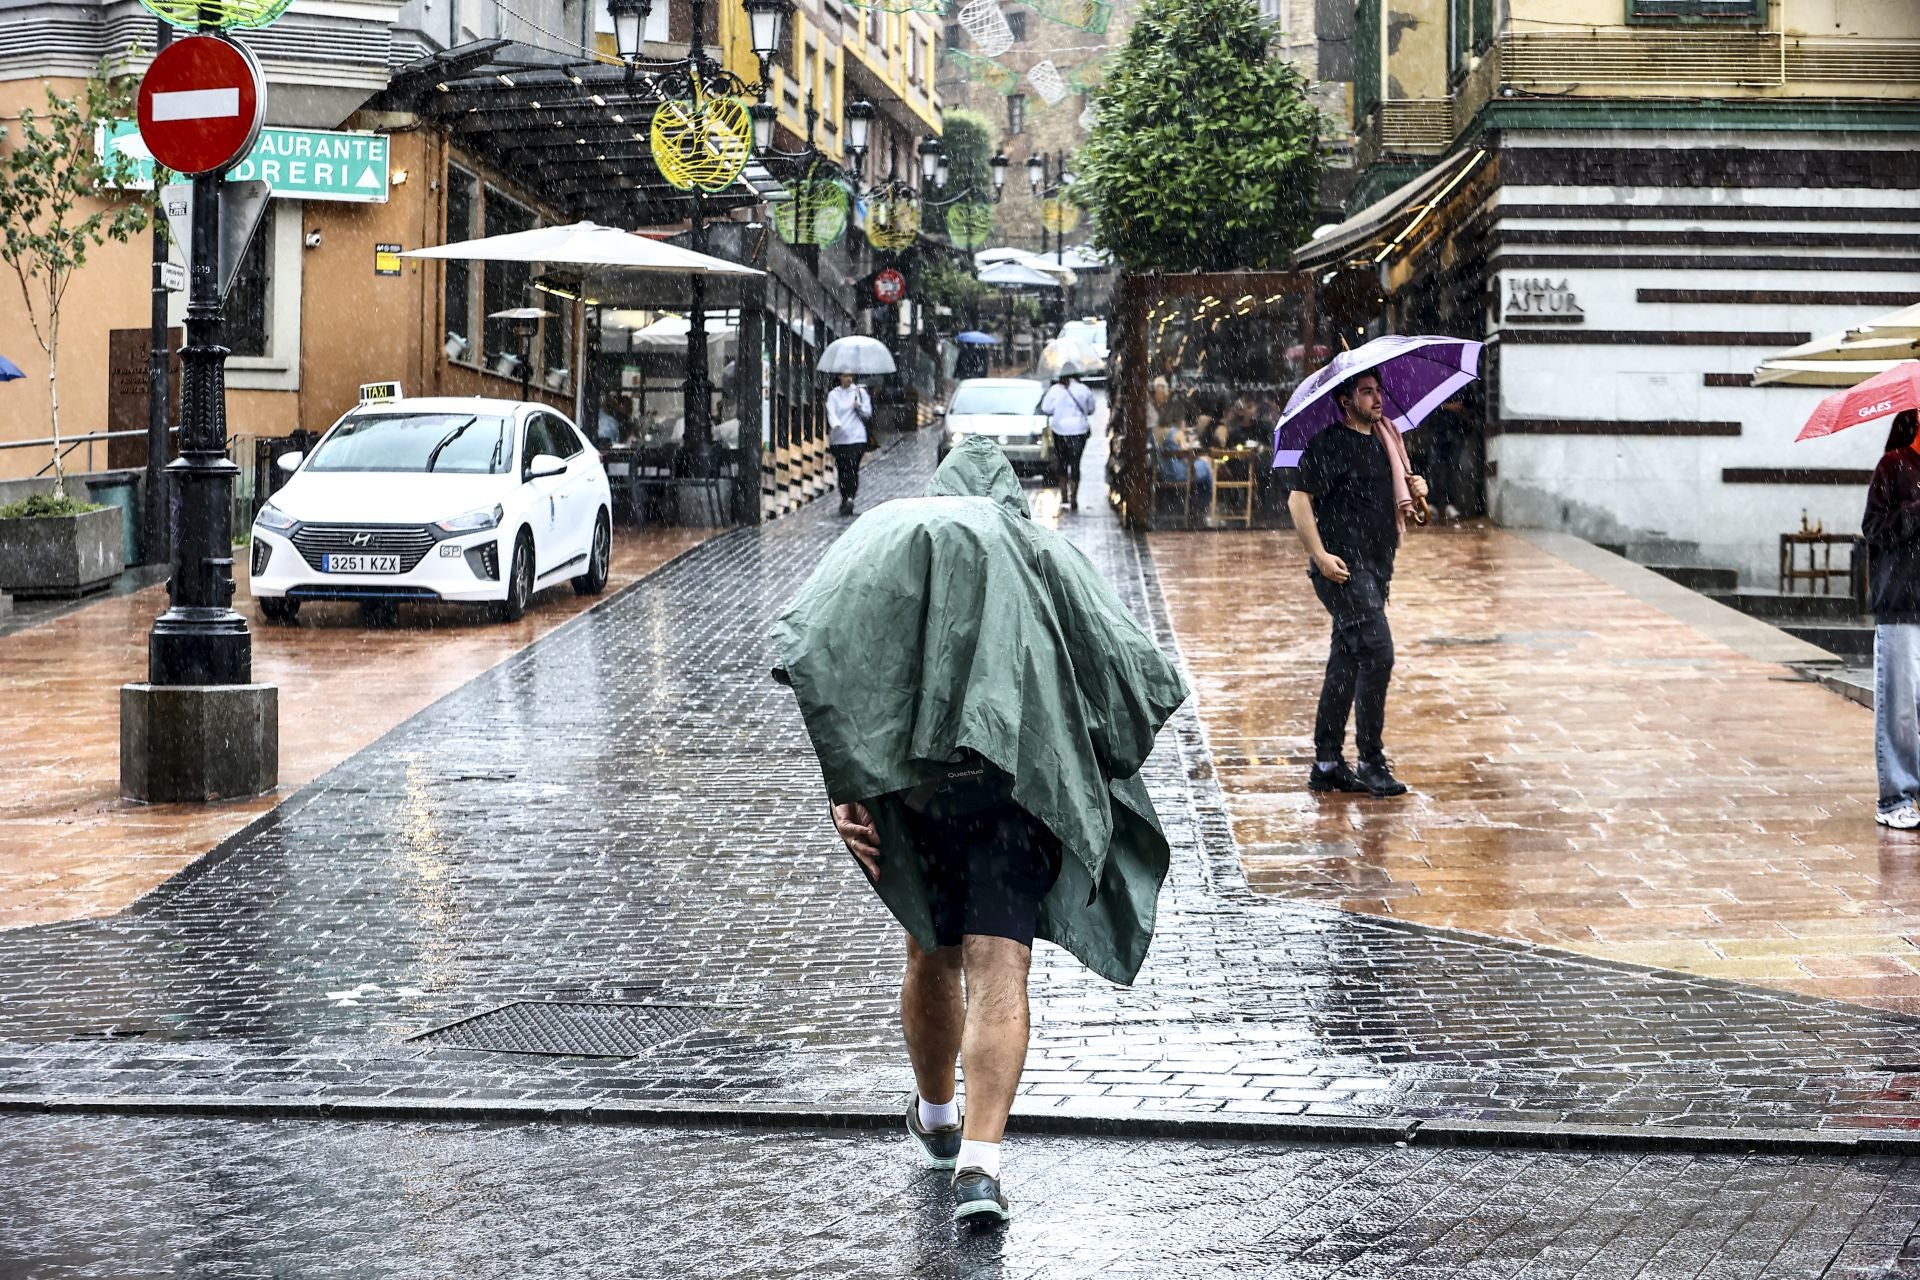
{"points": [[702, 144], [817, 213], [970, 225], [1059, 215], [892, 223], [1046, 81], [192, 15], [984, 21], [1082, 15]]}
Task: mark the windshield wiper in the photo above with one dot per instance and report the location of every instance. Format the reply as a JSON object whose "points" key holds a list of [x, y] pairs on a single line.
{"points": [[448, 439]]}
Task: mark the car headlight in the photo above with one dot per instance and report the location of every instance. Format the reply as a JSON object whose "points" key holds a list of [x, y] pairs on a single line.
{"points": [[956, 434], [472, 521], [273, 518]]}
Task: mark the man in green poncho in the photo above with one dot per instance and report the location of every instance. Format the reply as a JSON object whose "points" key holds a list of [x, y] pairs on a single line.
{"points": [[981, 704]]}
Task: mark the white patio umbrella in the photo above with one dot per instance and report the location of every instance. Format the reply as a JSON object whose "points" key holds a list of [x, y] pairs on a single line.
{"points": [[1002, 253], [586, 244], [1818, 373], [1065, 356], [866, 357], [1846, 358], [669, 333], [1018, 275]]}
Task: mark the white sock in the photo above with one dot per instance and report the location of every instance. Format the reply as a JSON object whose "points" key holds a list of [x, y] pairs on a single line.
{"points": [[984, 1156], [939, 1115]]}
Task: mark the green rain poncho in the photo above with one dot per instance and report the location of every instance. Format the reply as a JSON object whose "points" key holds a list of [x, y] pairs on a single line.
{"points": [[954, 623]]}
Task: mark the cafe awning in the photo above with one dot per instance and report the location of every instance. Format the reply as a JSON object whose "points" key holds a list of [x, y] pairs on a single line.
{"points": [[1846, 358], [1371, 234], [568, 127], [587, 245]]}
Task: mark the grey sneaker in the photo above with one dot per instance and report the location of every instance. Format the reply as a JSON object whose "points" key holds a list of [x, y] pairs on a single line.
{"points": [[939, 1148], [977, 1200]]}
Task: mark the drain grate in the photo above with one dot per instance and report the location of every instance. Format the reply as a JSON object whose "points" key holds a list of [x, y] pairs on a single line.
{"points": [[569, 1029]]}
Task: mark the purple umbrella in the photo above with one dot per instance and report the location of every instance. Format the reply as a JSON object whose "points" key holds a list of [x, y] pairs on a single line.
{"points": [[1417, 375]]}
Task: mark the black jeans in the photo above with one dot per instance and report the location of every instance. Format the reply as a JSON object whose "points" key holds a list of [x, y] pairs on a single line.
{"points": [[1359, 664], [846, 464], [1066, 462]]}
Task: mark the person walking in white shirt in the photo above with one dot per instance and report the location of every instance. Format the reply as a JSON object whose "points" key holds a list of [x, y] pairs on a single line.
{"points": [[1069, 405], [849, 409]]}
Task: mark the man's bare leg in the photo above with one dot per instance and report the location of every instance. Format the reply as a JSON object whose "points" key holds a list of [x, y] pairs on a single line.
{"points": [[933, 1015], [994, 1047]]}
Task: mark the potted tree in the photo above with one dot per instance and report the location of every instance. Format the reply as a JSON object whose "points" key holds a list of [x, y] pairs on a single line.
{"points": [[59, 200]]}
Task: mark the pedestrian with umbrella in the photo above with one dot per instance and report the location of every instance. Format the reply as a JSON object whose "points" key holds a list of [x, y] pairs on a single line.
{"points": [[850, 409], [1069, 409], [981, 704], [1342, 427], [1891, 528]]}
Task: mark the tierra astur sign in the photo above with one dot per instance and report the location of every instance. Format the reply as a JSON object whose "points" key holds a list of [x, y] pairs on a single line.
{"points": [[299, 164]]}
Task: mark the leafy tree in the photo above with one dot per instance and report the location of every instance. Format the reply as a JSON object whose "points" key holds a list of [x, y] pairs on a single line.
{"points": [[1205, 152], [57, 202], [968, 137]]}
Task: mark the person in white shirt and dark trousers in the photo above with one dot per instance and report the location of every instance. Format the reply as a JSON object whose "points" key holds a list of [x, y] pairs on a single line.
{"points": [[1069, 405], [849, 409]]}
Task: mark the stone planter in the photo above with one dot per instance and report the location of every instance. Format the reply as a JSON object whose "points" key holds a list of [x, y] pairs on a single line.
{"points": [[61, 555]]}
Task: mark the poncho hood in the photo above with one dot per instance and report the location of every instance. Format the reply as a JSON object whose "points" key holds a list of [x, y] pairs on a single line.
{"points": [[954, 623], [978, 469]]}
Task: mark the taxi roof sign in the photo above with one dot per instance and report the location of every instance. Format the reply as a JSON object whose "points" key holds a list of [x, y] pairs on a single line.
{"points": [[379, 392]]}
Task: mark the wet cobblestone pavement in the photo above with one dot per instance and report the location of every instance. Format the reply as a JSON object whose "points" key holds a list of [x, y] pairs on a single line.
{"points": [[627, 810], [120, 1199]]}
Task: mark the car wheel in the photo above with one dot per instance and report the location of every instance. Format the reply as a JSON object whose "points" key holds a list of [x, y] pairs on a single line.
{"points": [[519, 582], [599, 559], [380, 613], [279, 609]]}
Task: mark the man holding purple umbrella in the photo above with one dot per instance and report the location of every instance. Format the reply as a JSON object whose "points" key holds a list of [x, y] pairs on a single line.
{"points": [[1347, 511], [1355, 493]]}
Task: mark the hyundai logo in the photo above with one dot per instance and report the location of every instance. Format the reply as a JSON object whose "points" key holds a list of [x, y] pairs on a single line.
{"points": [[362, 539]]}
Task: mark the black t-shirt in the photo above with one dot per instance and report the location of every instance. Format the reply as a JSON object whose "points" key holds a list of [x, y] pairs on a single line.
{"points": [[1347, 476]]}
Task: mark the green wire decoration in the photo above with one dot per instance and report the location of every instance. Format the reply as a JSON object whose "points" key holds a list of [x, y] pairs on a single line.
{"points": [[1083, 15], [189, 15], [970, 225], [1088, 75], [901, 6], [817, 213], [985, 71]]}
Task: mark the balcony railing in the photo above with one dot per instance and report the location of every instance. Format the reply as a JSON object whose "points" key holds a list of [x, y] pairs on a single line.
{"points": [[1559, 61]]}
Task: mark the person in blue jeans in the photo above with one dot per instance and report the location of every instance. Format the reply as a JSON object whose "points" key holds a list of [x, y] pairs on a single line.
{"points": [[1892, 530], [1170, 438]]}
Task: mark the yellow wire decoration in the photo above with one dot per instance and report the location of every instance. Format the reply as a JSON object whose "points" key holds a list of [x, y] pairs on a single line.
{"points": [[816, 214], [224, 14], [704, 144], [892, 224], [1059, 215]]}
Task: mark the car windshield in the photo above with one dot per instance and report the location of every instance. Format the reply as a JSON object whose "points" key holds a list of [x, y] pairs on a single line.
{"points": [[462, 443], [1020, 398]]}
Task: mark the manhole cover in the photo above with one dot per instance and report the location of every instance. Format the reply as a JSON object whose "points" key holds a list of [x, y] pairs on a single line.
{"points": [[585, 1030]]}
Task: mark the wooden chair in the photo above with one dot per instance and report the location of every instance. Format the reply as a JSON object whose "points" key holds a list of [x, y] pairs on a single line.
{"points": [[1234, 469], [1165, 486]]}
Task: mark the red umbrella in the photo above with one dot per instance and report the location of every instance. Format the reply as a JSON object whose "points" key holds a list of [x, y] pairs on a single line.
{"points": [[1895, 391]]}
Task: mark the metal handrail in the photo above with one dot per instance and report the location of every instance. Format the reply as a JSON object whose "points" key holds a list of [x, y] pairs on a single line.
{"points": [[78, 440]]}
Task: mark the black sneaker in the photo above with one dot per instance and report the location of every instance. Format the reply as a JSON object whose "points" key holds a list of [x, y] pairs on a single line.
{"points": [[846, 506], [977, 1200], [1376, 777], [1338, 778], [939, 1148]]}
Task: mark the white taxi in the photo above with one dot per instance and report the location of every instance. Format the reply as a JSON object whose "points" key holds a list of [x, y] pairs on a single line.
{"points": [[483, 501]]}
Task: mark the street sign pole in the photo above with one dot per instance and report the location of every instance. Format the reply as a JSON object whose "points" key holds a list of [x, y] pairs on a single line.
{"points": [[154, 533], [201, 639]]}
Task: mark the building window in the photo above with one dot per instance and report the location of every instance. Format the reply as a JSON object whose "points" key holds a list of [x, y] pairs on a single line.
{"points": [[505, 283], [1016, 113], [916, 58], [1278, 12], [877, 28], [1017, 22], [462, 196], [1734, 12], [1368, 65], [249, 309], [954, 33]]}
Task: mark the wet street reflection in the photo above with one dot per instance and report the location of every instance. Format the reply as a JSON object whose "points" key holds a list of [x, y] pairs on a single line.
{"points": [[1588, 771]]}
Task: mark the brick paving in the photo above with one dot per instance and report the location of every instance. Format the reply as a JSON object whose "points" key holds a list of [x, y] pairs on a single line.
{"points": [[71, 848], [1591, 772], [119, 1199], [627, 810]]}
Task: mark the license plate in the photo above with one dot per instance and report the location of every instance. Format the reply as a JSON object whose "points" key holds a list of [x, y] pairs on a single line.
{"points": [[359, 564]]}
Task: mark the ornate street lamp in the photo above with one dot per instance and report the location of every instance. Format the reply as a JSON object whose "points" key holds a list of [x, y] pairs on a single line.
{"points": [[629, 27], [859, 125], [941, 171], [765, 115], [1000, 165], [766, 29], [931, 153], [1036, 172]]}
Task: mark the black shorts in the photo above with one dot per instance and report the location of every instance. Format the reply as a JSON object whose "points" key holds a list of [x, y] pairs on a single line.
{"points": [[986, 862]]}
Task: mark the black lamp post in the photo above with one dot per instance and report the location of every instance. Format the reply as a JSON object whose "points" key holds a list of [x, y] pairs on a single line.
{"points": [[1038, 174], [522, 323]]}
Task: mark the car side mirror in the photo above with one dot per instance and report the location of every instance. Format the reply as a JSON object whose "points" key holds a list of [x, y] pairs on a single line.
{"points": [[289, 462], [939, 411], [543, 465]]}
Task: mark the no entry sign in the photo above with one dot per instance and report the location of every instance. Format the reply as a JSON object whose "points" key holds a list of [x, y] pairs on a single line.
{"points": [[889, 286], [201, 104]]}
